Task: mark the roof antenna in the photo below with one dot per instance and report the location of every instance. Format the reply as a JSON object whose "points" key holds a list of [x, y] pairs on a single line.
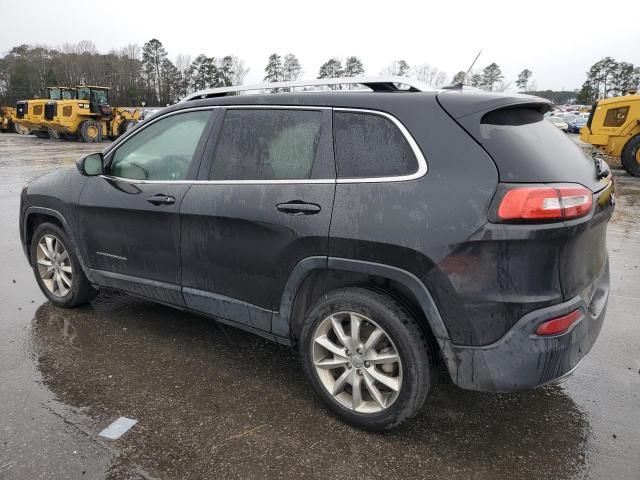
{"points": [[459, 85], [471, 66]]}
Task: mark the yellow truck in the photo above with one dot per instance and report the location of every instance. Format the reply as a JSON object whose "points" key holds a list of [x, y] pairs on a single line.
{"points": [[89, 117], [30, 113], [613, 128]]}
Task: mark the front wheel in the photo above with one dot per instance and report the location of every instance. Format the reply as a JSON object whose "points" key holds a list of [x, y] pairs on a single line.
{"points": [[631, 156], [366, 357], [57, 269]]}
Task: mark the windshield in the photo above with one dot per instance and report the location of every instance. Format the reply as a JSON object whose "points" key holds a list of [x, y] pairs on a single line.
{"points": [[570, 118], [54, 94], [83, 93]]}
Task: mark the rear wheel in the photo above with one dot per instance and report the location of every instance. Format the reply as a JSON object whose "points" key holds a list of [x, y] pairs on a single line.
{"points": [[631, 156], [41, 133], [90, 131], [366, 358], [57, 269]]}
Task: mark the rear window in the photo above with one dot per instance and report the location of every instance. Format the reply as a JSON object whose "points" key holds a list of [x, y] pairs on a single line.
{"points": [[370, 146], [526, 148]]}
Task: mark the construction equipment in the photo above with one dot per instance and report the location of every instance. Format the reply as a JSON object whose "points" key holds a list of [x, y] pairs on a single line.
{"points": [[7, 114], [613, 128], [89, 117], [30, 113]]}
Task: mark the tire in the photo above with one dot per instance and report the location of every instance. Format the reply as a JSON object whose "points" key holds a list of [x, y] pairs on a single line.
{"points": [[631, 156], [41, 133], [90, 131], [126, 126], [403, 339], [79, 291]]}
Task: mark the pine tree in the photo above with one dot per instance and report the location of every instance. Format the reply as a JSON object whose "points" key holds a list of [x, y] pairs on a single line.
{"points": [[458, 78], [523, 79], [274, 68], [353, 67], [291, 68], [490, 75], [331, 69], [153, 54]]}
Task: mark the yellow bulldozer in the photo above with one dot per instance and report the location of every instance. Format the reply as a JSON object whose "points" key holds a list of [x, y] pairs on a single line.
{"points": [[89, 117], [613, 128]]}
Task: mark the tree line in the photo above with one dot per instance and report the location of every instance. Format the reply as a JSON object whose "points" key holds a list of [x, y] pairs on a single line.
{"points": [[136, 74]]}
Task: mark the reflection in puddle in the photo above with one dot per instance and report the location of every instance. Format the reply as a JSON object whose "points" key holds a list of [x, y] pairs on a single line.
{"points": [[213, 401]]}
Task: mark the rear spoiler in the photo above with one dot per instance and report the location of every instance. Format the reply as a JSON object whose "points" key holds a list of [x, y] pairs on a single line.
{"points": [[468, 108]]}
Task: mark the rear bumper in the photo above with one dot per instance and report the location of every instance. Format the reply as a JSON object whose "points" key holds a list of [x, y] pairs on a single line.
{"points": [[521, 359]]}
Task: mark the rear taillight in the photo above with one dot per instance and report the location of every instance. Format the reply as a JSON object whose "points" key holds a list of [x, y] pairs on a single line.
{"points": [[545, 203], [558, 325]]}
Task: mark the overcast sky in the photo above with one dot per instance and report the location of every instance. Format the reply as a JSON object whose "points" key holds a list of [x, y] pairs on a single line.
{"points": [[557, 40]]}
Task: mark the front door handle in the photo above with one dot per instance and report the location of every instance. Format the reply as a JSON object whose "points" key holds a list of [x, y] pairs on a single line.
{"points": [[161, 199], [298, 207]]}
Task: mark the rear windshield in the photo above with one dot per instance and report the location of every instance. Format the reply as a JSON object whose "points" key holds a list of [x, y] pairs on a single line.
{"points": [[528, 148]]}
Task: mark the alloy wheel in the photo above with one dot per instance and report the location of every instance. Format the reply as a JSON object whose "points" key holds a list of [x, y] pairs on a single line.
{"points": [[54, 265], [357, 362]]}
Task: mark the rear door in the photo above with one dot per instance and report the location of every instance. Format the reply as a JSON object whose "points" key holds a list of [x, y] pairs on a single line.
{"points": [[262, 204], [130, 216]]}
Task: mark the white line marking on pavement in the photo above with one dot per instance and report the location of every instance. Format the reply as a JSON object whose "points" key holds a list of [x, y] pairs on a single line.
{"points": [[118, 428]]}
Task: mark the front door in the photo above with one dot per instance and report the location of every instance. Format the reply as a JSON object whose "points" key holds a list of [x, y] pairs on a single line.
{"points": [[266, 204], [129, 217]]}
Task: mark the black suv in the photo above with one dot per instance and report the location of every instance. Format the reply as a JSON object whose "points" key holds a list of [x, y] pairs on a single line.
{"points": [[381, 233]]}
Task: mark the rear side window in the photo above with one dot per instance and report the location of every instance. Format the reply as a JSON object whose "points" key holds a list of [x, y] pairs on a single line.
{"points": [[370, 146], [265, 144]]}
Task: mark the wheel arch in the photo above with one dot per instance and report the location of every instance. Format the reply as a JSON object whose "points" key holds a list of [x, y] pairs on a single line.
{"points": [[315, 276], [34, 216]]}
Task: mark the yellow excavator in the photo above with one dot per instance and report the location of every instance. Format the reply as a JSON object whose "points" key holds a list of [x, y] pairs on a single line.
{"points": [[613, 128], [89, 117], [30, 113]]}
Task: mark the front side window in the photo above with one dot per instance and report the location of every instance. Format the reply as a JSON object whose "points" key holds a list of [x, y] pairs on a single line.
{"points": [[162, 151], [370, 146], [264, 144]]}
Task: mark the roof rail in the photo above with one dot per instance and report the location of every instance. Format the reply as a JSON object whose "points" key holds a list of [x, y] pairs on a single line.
{"points": [[377, 84]]}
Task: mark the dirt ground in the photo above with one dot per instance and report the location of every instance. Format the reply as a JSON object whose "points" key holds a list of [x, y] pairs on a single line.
{"points": [[214, 402]]}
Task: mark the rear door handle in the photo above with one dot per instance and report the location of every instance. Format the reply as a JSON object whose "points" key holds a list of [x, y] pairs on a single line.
{"points": [[298, 207], [161, 199]]}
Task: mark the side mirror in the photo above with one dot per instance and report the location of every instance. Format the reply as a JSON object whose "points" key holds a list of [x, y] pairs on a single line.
{"points": [[91, 165]]}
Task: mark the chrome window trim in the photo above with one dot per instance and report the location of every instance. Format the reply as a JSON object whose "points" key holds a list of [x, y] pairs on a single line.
{"points": [[422, 163]]}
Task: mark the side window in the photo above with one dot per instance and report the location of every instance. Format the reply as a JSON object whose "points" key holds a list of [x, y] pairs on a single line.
{"points": [[370, 146], [263, 144], [163, 150]]}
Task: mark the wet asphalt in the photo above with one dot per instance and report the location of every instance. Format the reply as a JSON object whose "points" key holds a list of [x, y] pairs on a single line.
{"points": [[214, 402]]}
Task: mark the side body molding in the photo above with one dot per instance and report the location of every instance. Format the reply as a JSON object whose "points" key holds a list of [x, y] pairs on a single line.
{"points": [[282, 319]]}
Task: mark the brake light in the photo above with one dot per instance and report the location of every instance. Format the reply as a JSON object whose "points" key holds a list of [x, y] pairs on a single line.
{"points": [[545, 203], [558, 325]]}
